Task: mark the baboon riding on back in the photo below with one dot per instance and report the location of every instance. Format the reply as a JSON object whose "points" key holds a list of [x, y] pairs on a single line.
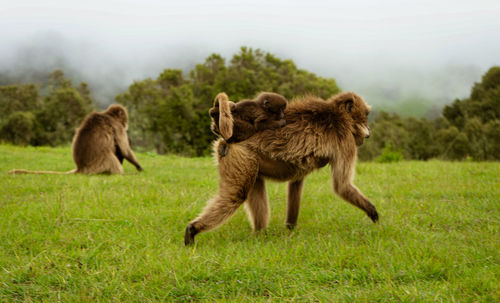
{"points": [[317, 133]]}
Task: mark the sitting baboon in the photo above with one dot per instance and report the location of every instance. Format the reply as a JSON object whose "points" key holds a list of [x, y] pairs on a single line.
{"points": [[236, 122], [316, 133], [100, 144]]}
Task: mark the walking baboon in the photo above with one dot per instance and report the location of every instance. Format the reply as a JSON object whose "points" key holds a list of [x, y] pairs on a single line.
{"points": [[316, 133], [100, 144], [236, 122]]}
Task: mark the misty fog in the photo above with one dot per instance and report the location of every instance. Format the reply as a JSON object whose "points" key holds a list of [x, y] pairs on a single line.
{"points": [[429, 52]]}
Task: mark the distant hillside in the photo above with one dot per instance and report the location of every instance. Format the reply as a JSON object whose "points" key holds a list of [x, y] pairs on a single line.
{"points": [[413, 107]]}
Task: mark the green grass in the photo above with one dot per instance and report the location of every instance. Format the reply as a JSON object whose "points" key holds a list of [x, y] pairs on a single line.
{"points": [[120, 238]]}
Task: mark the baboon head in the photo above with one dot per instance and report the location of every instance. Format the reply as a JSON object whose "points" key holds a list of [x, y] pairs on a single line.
{"points": [[273, 103], [357, 110], [118, 112]]}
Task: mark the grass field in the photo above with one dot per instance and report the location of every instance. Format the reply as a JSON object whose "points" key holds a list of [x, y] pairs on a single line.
{"points": [[120, 238]]}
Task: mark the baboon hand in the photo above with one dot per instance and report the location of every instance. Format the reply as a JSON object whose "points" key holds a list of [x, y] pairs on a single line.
{"points": [[139, 168]]}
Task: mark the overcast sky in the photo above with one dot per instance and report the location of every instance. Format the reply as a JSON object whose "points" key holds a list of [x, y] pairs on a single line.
{"points": [[382, 49]]}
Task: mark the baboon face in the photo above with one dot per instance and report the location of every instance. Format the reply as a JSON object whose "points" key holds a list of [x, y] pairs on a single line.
{"points": [[357, 108], [274, 104], [119, 112], [360, 112]]}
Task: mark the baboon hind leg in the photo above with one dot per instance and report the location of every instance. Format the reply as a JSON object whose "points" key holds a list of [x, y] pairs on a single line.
{"points": [[293, 202], [110, 165], [257, 205], [217, 211], [238, 171], [116, 167], [107, 164]]}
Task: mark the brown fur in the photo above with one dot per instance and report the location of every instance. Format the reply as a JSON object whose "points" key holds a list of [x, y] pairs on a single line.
{"points": [[239, 121], [222, 104], [100, 144], [236, 122], [317, 133]]}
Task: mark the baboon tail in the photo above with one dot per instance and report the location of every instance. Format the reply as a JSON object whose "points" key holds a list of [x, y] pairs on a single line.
{"points": [[225, 116], [25, 171]]}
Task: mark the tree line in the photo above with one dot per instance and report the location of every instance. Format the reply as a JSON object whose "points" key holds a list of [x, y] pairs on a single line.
{"points": [[35, 114], [169, 114], [467, 129]]}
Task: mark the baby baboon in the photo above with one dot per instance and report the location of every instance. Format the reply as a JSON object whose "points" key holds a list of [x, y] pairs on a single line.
{"points": [[236, 122], [100, 144], [317, 133]]}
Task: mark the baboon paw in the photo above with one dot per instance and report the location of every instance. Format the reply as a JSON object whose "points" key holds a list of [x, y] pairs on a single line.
{"points": [[373, 214], [191, 231], [290, 226]]}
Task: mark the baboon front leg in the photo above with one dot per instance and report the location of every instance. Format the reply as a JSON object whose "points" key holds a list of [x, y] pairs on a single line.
{"points": [[293, 202], [131, 158], [122, 142], [258, 206], [342, 183]]}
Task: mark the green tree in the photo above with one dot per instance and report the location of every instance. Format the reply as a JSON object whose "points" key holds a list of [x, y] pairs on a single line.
{"points": [[208, 79], [171, 112], [492, 134], [48, 119], [15, 98], [474, 119], [421, 141], [143, 101], [454, 144], [475, 131], [19, 128], [63, 111], [455, 113], [387, 130]]}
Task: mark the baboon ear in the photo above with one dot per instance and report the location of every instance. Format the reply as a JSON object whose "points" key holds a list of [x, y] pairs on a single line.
{"points": [[348, 105], [266, 103]]}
